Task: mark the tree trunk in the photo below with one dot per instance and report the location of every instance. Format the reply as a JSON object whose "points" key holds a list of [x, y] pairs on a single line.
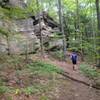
{"points": [[67, 34], [77, 15], [61, 27], [98, 32], [93, 31], [41, 37], [78, 28]]}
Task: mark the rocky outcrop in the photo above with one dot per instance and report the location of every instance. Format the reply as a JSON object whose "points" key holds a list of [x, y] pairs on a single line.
{"points": [[27, 32]]}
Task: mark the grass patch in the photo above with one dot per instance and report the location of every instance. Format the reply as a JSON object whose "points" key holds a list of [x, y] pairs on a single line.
{"points": [[88, 71], [36, 89], [3, 89], [44, 98], [42, 67]]}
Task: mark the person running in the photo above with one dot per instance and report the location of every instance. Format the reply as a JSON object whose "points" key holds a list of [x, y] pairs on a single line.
{"points": [[74, 59]]}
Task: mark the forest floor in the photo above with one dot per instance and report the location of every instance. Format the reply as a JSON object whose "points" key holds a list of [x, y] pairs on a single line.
{"points": [[25, 85], [69, 89]]}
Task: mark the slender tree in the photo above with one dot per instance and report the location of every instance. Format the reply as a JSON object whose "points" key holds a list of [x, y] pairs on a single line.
{"points": [[77, 15], [98, 25], [78, 27], [61, 27], [41, 37]]}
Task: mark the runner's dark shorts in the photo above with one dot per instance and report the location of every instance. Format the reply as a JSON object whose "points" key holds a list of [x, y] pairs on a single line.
{"points": [[74, 62]]}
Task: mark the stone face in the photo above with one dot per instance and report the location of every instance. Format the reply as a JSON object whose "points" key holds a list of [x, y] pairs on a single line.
{"points": [[19, 43], [56, 43], [3, 44], [24, 25], [19, 3], [28, 32]]}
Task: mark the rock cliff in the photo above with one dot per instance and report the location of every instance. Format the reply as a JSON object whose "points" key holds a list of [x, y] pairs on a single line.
{"points": [[29, 31]]}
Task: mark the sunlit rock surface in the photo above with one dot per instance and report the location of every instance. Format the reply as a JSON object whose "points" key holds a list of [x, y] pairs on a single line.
{"points": [[26, 32]]}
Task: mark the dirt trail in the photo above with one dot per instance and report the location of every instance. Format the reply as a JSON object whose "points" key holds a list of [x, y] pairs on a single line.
{"points": [[69, 89], [67, 67], [75, 90]]}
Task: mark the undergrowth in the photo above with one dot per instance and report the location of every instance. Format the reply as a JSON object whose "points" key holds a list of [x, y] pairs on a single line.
{"points": [[29, 90], [39, 69], [43, 67], [57, 55], [88, 71]]}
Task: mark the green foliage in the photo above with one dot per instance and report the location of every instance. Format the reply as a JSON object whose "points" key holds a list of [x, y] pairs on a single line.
{"points": [[18, 13], [57, 55], [9, 98], [3, 89], [32, 90], [74, 49], [4, 13], [4, 31], [44, 98], [36, 88], [43, 67], [32, 7], [29, 90], [56, 36], [88, 71]]}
